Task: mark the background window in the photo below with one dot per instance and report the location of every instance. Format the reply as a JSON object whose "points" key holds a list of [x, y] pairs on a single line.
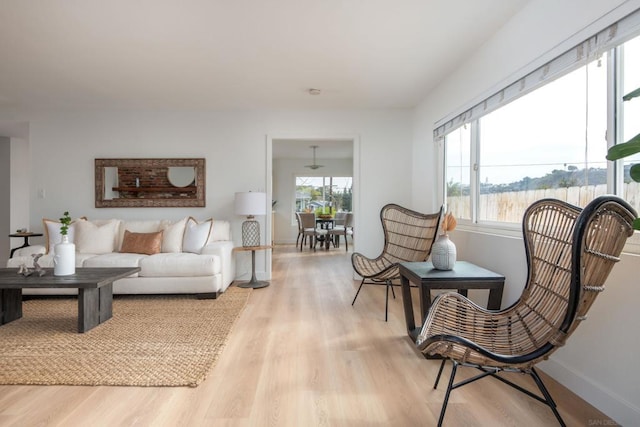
{"points": [[323, 194], [458, 172]]}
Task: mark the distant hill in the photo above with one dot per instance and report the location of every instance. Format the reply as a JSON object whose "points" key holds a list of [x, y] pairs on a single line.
{"points": [[573, 177]]}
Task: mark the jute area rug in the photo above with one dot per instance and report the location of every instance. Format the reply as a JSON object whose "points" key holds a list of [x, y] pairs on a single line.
{"points": [[150, 341]]}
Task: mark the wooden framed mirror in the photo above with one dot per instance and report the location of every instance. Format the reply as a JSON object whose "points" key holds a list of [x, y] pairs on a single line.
{"points": [[135, 183]]}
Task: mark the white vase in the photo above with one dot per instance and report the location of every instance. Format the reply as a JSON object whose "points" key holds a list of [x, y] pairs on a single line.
{"points": [[64, 260], [443, 253]]}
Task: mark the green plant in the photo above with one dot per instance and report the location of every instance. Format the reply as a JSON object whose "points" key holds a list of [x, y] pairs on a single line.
{"points": [[65, 221], [626, 149]]}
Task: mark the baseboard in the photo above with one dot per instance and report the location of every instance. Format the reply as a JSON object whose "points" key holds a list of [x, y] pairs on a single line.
{"points": [[605, 400]]}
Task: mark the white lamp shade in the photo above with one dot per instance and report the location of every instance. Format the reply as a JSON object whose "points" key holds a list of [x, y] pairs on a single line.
{"points": [[251, 203]]}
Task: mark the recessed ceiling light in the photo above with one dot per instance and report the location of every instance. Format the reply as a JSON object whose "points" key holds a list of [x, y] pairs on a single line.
{"points": [[313, 91]]}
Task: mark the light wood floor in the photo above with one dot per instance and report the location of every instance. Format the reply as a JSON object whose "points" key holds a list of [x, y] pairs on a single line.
{"points": [[301, 355]]}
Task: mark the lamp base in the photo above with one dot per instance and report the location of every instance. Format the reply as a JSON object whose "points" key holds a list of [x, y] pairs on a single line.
{"points": [[250, 233]]}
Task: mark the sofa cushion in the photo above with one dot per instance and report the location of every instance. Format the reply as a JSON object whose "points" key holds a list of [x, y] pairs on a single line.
{"points": [[173, 235], [179, 265], [45, 261], [142, 243], [52, 234], [196, 235], [114, 259], [93, 237]]}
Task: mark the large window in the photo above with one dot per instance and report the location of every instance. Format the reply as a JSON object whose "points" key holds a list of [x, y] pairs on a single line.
{"points": [[550, 142], [630, 126]]}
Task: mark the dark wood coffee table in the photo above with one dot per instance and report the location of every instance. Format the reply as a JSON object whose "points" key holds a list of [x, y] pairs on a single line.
{"points": [[95, 292], [463, 277]]}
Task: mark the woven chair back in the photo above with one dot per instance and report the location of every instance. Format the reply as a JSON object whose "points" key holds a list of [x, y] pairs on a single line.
{"points": [[408, 234], [570, 254]]}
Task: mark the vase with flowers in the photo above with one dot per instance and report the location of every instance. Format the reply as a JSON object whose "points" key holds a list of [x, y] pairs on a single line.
{"points": [[443, 252], [64, 260]]}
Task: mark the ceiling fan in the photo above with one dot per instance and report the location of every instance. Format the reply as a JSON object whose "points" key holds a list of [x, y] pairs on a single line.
{"points": [[314, 166]]}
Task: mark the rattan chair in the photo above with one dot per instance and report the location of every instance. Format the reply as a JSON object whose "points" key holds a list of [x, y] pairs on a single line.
{"points": [[570, 253], [408, 237]]}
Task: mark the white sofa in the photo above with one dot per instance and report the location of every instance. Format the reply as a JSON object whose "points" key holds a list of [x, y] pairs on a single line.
{"points": [[195, 258]]}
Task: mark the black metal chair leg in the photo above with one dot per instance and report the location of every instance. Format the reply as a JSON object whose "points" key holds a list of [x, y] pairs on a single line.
{"points": [[454, 368], [354, 298], [550, 402], [386, 304], [435, 385]]}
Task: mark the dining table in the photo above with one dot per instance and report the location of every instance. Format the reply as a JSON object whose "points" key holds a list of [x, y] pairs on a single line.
{"points": [[326, 223]]}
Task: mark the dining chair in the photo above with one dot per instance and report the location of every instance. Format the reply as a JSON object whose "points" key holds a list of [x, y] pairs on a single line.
{"points": [[300, 229], [345, 229], [570, 252], [309, 229], [408, 237], [339, 218]]}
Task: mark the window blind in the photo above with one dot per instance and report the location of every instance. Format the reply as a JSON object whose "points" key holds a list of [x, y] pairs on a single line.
{"points": [[579, 55]]}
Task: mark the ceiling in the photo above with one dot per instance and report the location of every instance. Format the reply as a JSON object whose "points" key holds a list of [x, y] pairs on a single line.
{"points": [[235, 54]]}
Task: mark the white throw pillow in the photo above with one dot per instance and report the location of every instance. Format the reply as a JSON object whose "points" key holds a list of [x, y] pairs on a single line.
{"points": [[196, 235], [220, 230], [172, 236], [92, 238], [52, 232]]}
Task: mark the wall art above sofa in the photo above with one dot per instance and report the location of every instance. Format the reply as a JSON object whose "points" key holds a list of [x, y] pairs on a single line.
{"points": [[129, 183]]}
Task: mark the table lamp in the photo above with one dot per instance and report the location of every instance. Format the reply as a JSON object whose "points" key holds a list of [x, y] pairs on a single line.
{"points": [[251, 204]]}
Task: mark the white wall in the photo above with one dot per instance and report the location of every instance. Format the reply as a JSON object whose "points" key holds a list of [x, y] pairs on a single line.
{"points": [[5, 196], [63, 147], [284, 173], [20, 178], [598, 362]]}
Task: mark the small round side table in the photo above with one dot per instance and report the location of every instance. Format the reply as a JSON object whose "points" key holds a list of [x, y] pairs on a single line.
{"points": [[253, 283]]}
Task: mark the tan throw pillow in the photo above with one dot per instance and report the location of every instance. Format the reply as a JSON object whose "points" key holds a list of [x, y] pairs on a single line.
{"points": [[141, 243]]}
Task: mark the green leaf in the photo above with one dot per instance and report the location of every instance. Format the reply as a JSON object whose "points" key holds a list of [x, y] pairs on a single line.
{"points": [[625, 149], [636, 224], [634, 172], [631, 95]]}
